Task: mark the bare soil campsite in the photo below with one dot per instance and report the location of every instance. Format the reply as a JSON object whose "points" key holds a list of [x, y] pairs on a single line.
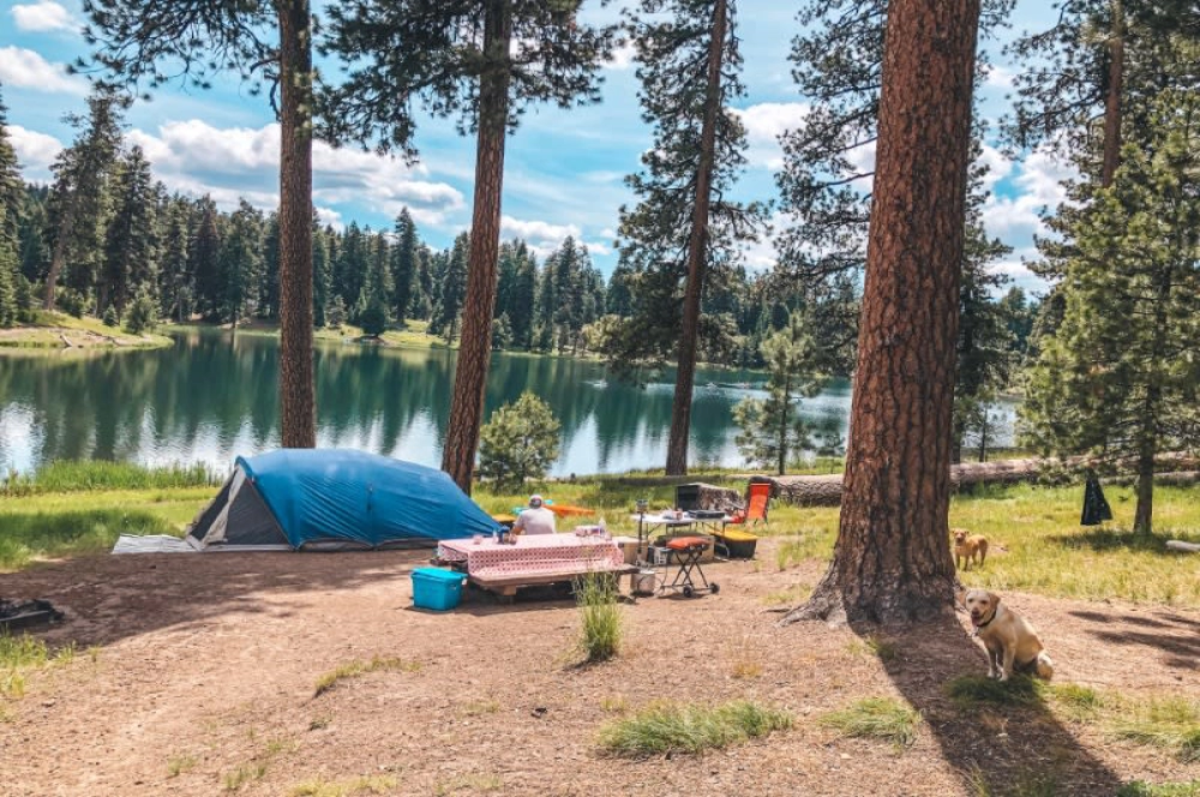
{"points": [[312, 674]]}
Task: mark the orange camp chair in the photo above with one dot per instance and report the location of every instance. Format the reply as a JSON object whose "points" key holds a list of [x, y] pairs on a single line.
{"points": [[758, 499]]}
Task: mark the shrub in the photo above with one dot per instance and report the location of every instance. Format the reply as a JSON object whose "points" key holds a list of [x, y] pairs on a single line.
{"points": [[111, 319], [142, 316], [519, 442], [601, 628], [374, 318]]}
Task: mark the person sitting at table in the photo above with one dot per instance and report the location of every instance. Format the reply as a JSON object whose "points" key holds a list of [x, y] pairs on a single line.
{"points": [[537, 519]]}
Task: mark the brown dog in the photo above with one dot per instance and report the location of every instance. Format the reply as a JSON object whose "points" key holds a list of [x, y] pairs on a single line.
{"points": [[967, 547], [1009, 639]]}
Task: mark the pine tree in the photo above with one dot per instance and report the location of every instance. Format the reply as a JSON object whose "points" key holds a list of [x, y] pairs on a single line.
{"points": [[268, 290], [690, 65], [453, 287], [351, 267], [423, 290], [891, 562], [204, 259], [137, 38], [772, 431], [12, 198], [1121, 376], [619, 300], [131, 241], [485, 61], [34, 246], [79, 197], [321, 273], [984, 345], [377, 291], [522, 299], [404, 266], [241, 262], [177, 293]]}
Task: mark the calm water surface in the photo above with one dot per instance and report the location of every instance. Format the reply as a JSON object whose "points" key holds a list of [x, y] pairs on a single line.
{"points": [[214, 395]]}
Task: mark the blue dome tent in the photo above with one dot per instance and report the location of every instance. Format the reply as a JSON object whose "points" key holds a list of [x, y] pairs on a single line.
{"points": [[335, 499]]}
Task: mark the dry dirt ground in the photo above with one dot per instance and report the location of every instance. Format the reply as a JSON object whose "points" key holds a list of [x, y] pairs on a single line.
{"points": [[207, 666]]}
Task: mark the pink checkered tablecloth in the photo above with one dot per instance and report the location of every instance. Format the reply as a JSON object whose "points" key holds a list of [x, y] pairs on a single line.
{"points": [[533, 554]]}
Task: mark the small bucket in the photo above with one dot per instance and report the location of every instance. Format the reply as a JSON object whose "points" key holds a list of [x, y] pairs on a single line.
{"points": [[645, 582]]}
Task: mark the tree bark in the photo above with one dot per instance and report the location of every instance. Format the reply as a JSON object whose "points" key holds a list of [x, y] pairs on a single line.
{"points": [[297, 392], [475, 344], [892, 559], [1112, 102], [685, 374]]}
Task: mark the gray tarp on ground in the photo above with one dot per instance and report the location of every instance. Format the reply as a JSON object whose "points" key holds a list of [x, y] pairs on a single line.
{"points": [[151, 543]]}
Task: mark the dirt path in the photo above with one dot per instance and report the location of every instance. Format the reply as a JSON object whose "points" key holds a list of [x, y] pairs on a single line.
{"points": [[208, 665]]}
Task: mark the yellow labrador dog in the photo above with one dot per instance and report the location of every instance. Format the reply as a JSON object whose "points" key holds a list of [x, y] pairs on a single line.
{"points": [[1009, 639]]}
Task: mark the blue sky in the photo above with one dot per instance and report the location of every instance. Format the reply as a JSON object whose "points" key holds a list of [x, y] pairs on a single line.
{"points": [[564, 169]]}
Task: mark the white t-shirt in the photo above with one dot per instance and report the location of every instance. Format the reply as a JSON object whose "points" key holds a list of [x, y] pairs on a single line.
{"points": [[535, 521]]}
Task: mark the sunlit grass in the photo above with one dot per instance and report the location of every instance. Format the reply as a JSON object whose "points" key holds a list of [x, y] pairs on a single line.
{"points": [[663, 728], [882, 718], [368, 784]]}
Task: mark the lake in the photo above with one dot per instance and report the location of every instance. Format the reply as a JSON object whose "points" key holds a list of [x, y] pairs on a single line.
{"points": [[214, 396]]}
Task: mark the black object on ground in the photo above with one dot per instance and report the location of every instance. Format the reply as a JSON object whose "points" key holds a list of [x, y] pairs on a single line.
{"points": [[1095, 508], [14, 616]]}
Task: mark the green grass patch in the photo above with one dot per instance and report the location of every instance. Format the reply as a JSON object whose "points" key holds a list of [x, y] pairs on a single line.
{"points": [[370, 784], [663, 728], [1079, 703], [64, 524], [1021, 784], [1142, 789], [974, 691], [1172, 723], [883, 718], [98, 475], [21, 654], [356, 668], [480, 784], [601, 621]]}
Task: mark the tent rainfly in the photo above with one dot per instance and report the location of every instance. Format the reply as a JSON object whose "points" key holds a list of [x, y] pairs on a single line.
{"points": [[332, 500]]}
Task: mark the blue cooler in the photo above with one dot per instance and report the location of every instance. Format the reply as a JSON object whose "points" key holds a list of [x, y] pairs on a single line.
{"points": [[440, 590]]}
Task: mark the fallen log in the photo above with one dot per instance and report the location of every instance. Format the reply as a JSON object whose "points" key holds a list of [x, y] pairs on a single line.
{"points": [[1180, 545]]}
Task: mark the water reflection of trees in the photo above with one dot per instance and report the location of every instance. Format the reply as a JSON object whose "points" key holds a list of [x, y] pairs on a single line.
{"points": [[217, 392]]}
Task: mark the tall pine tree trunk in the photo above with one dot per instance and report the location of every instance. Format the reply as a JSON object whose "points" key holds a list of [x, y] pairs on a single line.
{"points": [[475, 344], [892, 560], [1112, 102], [685, 376], [1143, 519], [297, 392]]}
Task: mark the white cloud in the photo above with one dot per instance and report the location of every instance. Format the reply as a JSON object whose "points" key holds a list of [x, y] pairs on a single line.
{"points": [[764, 124], [45, 15], [596, 248], [23, 68], [1015, 219], [999, 166], [194, 157], [538, 232], [1000, 77], [622, 57], [35, 151], [330, 216]]}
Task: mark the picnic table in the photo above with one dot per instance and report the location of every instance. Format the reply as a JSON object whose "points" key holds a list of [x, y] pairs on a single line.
{"points": [[534, 559]]}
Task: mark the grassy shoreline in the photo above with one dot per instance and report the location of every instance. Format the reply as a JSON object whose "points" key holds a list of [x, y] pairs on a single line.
{"points": [[78, 509], [62, 332]]}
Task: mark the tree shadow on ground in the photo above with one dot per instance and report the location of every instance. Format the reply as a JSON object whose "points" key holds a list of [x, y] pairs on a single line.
{"points": [[1007, 748], [1104, 540], [109, 598], [1172, 634]]}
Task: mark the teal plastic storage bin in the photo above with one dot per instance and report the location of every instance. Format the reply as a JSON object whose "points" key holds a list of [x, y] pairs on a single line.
{"points": [[440, 590]]}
